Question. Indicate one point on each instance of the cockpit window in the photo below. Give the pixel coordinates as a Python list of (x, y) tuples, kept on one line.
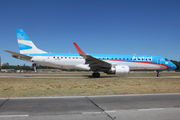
[(166, 59)]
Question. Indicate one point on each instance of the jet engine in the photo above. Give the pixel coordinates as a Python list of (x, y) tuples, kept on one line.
[(119, 70)]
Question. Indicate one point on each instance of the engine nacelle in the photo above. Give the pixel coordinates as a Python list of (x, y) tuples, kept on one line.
[(119, 70)]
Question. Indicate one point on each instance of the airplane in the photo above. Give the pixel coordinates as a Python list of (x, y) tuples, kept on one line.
[(107, 63)]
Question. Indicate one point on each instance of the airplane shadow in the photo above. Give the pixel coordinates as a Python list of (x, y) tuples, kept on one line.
[(89, 76)]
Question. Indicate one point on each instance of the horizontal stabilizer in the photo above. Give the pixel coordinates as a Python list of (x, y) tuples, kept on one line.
[(19, 56)]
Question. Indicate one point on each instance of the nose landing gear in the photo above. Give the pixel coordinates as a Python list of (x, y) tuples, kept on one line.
[(158, 74)]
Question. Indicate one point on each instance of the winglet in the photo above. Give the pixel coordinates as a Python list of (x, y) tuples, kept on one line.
[(79, 49)]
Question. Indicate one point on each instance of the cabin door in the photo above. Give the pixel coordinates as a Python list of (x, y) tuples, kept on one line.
[(159, 61)]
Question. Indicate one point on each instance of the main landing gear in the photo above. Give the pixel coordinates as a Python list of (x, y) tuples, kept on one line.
[(158, 74), (35, 67), (96, 74)]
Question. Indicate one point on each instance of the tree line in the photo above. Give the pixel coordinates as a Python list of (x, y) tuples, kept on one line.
[(28, 68), (31, 68)]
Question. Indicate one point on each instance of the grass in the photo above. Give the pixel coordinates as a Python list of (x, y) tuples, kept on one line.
[(27, 87)]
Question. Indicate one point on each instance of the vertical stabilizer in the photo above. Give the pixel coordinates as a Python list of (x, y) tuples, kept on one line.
[(26, 46)]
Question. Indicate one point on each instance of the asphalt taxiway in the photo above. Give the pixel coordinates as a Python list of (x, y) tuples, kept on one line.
[(119, 107)]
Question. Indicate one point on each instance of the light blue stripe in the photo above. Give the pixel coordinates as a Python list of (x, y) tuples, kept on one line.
[(24, 47)]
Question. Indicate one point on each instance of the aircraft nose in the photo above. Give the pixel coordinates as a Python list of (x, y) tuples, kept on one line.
[(174, 66)]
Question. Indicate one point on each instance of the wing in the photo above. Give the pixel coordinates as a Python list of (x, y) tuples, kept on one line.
[(94, 63), (19, 56)]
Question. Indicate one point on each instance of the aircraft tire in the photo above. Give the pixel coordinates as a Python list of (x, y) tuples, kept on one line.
[(96, 75), (158, 75)]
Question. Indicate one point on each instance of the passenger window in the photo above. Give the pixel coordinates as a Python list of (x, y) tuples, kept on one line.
[(119, 58), (123, 58), (138, 58), (112, 58), (127, 58)]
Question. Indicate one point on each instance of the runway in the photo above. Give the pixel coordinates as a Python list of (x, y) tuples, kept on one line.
[(70, 75), (117, 107)]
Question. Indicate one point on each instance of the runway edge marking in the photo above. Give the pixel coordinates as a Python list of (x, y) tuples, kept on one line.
[(150, 109), (14, 116), (92, 96)]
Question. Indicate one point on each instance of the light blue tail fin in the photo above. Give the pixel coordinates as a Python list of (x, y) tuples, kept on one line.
[(26, 46)]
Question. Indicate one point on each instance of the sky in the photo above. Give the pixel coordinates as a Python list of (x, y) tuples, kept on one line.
[(142, 27)]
